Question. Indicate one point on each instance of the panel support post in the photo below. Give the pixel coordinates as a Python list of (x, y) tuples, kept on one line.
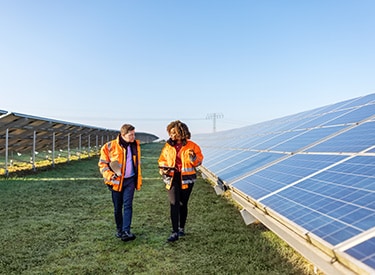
[(6, 152), (53, 148), (34, 148)]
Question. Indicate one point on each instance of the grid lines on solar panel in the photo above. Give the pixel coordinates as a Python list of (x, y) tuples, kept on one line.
[(283, 173), (362, 100), (231, 158), (306, 213), (271, 141), (364, 252), (210, 155), (354, 115), (342, 195), (306, 138), (245, 166), (320, 119), (356, 139)]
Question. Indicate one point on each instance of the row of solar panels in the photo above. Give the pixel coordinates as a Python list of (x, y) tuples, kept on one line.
[(28, 135), (314, 171), (19, 129)]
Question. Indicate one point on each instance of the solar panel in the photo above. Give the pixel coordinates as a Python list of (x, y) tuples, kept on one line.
[(345, 207), (356, 139), (314, 171), (27, 135), (364, 251)]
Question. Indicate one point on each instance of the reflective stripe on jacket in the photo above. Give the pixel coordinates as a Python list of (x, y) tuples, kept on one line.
[(167, 159), (112, 151)]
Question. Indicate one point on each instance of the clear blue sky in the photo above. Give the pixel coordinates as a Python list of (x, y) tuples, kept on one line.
[(148, 62)]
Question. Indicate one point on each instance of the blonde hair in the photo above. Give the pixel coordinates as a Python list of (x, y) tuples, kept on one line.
[(126, 128)]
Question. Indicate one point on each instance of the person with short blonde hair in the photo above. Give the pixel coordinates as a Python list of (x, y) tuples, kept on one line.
[(120, 165)]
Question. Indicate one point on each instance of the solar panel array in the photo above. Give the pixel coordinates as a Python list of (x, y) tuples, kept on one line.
[(314, 170), (21, 128), (25, 134)]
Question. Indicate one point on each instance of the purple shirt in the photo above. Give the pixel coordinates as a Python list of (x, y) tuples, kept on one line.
[(129, 169)]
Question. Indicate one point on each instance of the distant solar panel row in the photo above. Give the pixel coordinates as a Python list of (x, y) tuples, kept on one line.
[(20, 129), (315, 169), (25, 135)]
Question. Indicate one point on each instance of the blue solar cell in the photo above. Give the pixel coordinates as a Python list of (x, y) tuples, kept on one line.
[(256, 191), (362, 100), (363, 135), (345, 104), (355, 195), (233, 158), (366, 183), (306, 216), (354, 115), (328, 228), (271, 140), (341, 234), (211, 156), (246, 166), (341, 211), (251, 186), (366, 222), (296, 122), (357, 172), (313, 224), (321, 119), (284, 173), (364, 252), (305, 138), (336, 202), (360, 214)]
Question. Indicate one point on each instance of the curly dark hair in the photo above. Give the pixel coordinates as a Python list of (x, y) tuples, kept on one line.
[(181, 128)]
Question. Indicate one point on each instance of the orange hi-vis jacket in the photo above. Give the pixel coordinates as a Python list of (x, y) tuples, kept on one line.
[(113, 151), (167, 163)]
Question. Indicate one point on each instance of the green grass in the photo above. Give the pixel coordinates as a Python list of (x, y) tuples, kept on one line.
[(61, 221)]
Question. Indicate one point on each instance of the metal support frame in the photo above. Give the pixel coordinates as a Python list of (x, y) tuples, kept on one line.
[(34, 148), (80, 146), (53, 148), (6, 151), (88, 146), (68, 146)]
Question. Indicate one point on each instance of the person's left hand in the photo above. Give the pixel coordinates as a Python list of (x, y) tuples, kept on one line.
[(192, 155)]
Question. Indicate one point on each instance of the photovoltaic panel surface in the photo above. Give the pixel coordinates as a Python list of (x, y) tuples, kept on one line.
[(341, 197), (315, 169), (364, 251)]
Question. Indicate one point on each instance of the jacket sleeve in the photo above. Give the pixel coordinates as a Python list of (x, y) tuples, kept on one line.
[(103, 164), (166, 159), (198, 159)]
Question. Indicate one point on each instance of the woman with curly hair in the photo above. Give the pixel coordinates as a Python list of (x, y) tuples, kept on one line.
[(177, 163)]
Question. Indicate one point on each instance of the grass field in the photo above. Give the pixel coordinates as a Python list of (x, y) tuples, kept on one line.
[(60, 221)]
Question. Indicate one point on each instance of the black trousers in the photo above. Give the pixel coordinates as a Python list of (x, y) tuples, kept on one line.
[(178, 199)]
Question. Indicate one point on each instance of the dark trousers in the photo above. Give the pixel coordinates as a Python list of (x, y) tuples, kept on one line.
[(179, 199), (123, 205)]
